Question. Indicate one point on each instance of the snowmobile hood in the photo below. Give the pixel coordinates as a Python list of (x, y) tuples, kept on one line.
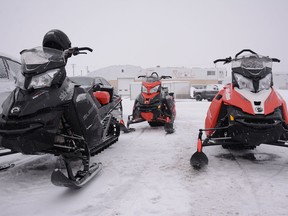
[(22, 103), (264, 102)]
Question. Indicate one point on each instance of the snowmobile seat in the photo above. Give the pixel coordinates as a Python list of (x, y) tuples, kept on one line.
[(102, 96)]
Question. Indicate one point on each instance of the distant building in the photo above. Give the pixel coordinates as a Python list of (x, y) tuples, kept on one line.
[(195, 76), (121, 76), (280, 80)]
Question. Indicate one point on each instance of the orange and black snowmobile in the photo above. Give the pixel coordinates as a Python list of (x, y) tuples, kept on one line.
[(154, 104), (246, 113)]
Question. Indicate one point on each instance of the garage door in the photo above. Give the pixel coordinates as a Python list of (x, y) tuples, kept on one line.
[(124, 85)]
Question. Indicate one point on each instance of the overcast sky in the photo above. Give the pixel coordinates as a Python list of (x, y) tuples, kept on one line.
[(147, 33)]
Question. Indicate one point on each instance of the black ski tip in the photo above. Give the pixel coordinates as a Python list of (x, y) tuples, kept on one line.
[(198, 160), (169, 131), (128, 130), (168, 127), (5, 167)]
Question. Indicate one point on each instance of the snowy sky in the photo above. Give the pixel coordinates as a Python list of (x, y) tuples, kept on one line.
[(147, 33)]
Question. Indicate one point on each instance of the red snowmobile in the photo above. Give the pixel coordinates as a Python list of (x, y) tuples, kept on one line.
[(246, 113), (154, 104)]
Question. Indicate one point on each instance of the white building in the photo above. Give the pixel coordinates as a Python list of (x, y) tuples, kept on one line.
[(122, 76)]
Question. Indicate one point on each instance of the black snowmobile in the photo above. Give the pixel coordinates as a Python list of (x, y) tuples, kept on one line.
[(48, 113), (154, 104)]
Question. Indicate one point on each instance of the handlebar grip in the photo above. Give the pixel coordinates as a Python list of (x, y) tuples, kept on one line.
[(165, 77), (226, 60), (85, 48), (275, 60)]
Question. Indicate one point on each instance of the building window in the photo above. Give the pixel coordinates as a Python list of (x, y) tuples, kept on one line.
[(211, 73)]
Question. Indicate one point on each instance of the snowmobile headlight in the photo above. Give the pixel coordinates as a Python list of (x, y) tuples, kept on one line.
[(154, 89), (265, 83), (243, 82), (43, 80), (144, 89)]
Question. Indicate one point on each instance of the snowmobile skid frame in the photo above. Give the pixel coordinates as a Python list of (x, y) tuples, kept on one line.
[(199, 158)]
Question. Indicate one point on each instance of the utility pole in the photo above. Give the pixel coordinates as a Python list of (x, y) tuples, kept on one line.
[(73, 65)]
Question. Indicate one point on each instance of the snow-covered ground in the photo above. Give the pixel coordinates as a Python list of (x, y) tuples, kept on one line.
[(148, 173)]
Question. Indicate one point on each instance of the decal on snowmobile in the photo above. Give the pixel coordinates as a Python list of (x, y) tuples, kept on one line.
[(81, 97), (38, 94), (15, 110)]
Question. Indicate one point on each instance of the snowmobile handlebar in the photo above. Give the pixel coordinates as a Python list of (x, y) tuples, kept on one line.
[(165, 77), (275, 60), (162, 77), (245, 50), (77, 50), (142, 76), (226, 60)]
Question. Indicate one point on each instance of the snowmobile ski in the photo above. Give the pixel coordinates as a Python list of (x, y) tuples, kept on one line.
[(5, 167), (59, 179)]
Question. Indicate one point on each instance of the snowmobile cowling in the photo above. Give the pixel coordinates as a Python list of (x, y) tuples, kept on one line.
[(102, 96)]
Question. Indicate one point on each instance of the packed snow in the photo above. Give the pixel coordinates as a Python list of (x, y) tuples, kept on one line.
[(148, 173)]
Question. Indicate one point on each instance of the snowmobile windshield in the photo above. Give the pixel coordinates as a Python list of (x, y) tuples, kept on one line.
[(83, 81), (252, 62), (151, 79), (41, 59), (252, 72)]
